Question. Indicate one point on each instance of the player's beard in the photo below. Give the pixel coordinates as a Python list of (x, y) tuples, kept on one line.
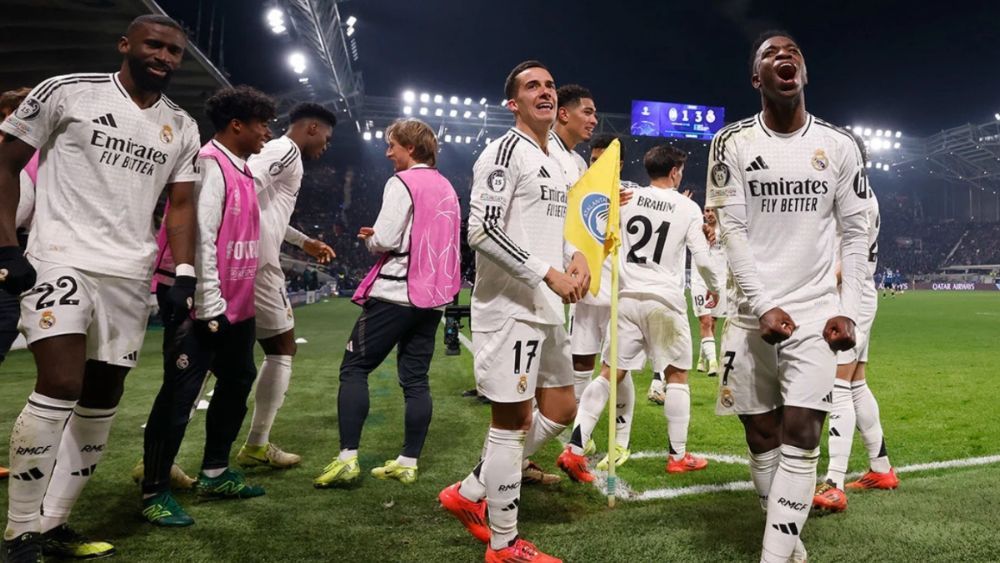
[(147, 81)]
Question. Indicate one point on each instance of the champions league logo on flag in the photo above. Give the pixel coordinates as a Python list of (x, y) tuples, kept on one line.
[(594, 212)]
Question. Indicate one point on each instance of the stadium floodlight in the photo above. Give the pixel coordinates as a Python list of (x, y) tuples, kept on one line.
[(425, 97), (859, 129), (423, 111), (303, 80), (447, 138), (453, 113), (899, 134), (378, 134), (350, 31), (298, 62), (997, 116), (453, 100), (275, 15), (367, 135), (895, 145), (488, 140), (868, 132), (409, 96), (878, 133), (482, 101), (467, 114), (438, 112), (438, 99), (468, 101), (351, 21), (869, 165), (482, 114), (407, 110), (468, 140)]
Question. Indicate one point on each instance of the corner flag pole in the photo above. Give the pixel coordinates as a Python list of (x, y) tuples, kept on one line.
[(613, 399), (613, 363)]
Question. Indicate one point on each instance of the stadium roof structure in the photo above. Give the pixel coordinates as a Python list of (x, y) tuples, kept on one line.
[(43, 38), (319, 24), (967, 155)]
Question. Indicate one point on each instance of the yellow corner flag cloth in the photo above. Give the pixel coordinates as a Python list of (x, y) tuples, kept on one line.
[(592, 212)]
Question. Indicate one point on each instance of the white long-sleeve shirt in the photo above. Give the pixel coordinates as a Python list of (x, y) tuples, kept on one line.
[(392, 234), (210, 195), (780, 198)]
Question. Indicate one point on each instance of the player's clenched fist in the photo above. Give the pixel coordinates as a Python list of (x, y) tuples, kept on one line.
[(16, 274), (776, 326), (563, 285), (579, 271), (839, 334)]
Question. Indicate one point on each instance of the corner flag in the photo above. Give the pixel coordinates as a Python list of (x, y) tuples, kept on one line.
[(592, 212)]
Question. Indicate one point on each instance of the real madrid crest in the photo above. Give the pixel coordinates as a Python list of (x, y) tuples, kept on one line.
[(522, 384), (275, 168), (182, 361), (726, 398), (820, 161), (47, 321), (167, 134)]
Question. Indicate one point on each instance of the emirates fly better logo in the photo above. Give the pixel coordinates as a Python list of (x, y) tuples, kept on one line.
[(594, 212)]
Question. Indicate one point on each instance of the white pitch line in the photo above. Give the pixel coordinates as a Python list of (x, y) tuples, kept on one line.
[(674, 492)]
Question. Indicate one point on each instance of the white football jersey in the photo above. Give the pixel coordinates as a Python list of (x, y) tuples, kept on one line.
[(657, 228), (103, 164), (574, 167), (277, 171), (516, 217), (793, 187)]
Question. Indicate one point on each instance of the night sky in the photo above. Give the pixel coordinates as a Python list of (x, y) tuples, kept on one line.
[(918, 67)]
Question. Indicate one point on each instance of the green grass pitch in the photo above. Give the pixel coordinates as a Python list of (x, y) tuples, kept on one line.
[(934, 369)]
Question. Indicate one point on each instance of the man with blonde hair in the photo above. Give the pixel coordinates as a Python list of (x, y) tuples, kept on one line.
[(402, 298)]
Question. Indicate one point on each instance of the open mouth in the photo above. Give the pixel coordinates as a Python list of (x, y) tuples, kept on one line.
[(545, 106), (787, 71)]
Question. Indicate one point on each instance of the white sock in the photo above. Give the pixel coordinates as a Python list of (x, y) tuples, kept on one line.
[(624, 410), (406, 461), (34, 443), (762, 468), (580, 381), (502, 474), (272, 383), (708, 349), (213, 473), (841, 434), (542, 430), (346, 455), (789, 502), (84, 440), (472, 487), (589, 411), (870, 426), (677, 408)]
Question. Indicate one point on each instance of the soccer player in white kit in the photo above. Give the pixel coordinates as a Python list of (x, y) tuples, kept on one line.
[(658, 228), (779, 223), (853, 402), (520, 345), (277, 171), (707, 361), (110, 144)]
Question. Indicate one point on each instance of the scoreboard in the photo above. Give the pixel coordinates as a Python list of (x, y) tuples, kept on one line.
[(668, 119)]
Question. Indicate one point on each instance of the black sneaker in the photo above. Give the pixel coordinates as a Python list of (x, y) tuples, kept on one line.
[(26, 548), (63, 541)]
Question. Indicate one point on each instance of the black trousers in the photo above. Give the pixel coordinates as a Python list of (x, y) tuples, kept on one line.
[(381, 327), (10, 313), (189, 351)]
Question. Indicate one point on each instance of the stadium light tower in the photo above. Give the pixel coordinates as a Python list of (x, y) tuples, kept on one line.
[(276, 20), (409, 96), (298, 62)]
